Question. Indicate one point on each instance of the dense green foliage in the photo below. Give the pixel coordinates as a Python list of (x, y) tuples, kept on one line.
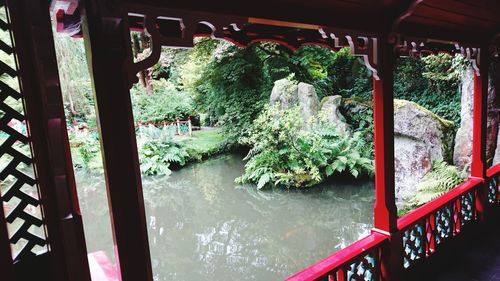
[(237, 83), (230, 88), (432, 82), (166, 104), (284, 153)]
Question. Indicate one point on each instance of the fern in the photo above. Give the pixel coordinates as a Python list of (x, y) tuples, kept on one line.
[(441, 179)]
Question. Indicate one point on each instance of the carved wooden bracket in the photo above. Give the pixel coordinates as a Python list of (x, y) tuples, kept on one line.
[(230, 28), (188, 26), (360, 45), (413, 47)]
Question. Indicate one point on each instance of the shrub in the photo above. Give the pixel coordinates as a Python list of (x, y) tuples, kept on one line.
[(285, 154), (167, 103)]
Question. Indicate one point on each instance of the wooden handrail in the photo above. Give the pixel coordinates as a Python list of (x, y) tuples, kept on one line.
[(340, 258), (437, 203)]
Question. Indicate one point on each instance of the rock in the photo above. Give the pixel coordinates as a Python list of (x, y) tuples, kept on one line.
[(492, 121), (420, 137), (284, 93), (288, 94), (496, 157), (412, 161), (330, 109), (308, 101), (463, 139)]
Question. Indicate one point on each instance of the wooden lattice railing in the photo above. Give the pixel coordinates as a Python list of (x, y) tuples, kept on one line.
[(420, 234), (18, 186)]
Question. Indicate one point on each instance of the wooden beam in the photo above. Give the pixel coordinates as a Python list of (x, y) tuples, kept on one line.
[(107, 38)]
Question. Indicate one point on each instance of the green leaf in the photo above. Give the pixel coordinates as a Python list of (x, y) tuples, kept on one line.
[(329, 170), (264, 179)]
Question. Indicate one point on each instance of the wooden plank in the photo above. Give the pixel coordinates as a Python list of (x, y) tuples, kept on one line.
[(445, 15), (479, 10)]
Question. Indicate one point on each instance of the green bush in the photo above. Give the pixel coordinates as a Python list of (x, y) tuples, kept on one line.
[(285, 154), (167, 103), (158, 150)]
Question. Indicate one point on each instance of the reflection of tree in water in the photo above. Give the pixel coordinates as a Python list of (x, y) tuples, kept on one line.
[(202, 227)]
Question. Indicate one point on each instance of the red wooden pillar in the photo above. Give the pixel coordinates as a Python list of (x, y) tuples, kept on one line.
[(39, 79), (385, 217), (385, 211), (479, 130), (107, 38), (478, 164)]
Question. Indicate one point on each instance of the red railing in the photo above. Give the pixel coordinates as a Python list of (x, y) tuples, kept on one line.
[(420, 234), (361, 259)]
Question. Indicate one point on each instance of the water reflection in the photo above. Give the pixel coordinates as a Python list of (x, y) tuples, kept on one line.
[(202, 227)]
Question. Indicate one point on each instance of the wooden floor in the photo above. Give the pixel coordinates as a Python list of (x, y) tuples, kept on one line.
[(473, 257)]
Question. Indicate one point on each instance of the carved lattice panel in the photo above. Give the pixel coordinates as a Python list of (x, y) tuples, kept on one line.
[(364, 269), (18, 185), (413, 244), (493, 190), (444, 223), (467, 207)]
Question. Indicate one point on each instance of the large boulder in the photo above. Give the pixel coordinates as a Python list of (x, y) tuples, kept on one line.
[(284, 94), (287, 94), (420, 137), (463, 139), (308, 101), (330, 110)]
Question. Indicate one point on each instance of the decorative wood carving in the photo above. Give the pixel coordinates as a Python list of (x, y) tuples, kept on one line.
[(412, 46), (230, 28)]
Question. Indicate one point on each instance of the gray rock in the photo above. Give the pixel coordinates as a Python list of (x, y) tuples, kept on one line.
[(284, 93), (492, 121), (496, 157), (330, 109), (463, 139), (420, 137), (308, 101)]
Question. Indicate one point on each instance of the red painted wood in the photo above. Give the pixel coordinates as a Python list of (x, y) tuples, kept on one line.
[(385, 212), (39, 79), (493, 170), (340, 258), (106, 39), (101, 267), (480, 99), (478, 165), (432, 206)]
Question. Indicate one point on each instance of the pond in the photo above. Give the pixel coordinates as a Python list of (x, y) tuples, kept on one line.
[(204, 227)]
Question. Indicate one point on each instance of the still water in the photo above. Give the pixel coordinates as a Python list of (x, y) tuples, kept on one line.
[(204, 227)]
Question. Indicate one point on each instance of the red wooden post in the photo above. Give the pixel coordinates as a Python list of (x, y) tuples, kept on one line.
[(107, 38), (39, 77), (385, 211), (178, 120), (478, 162)]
